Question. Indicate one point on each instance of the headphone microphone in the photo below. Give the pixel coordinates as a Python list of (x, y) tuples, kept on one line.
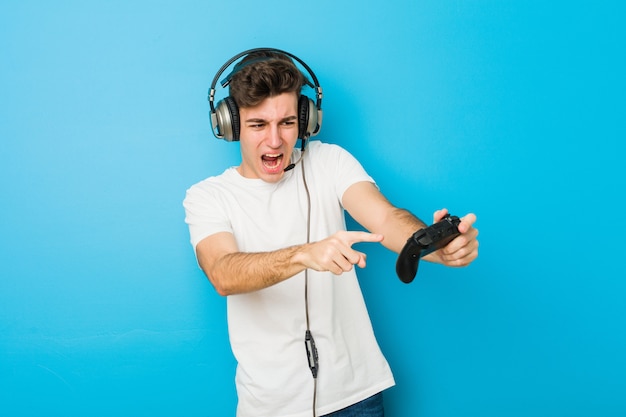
[(225, 122), (293, 165)]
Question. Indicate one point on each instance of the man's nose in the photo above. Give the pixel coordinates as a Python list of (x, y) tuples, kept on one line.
[(274, 139)]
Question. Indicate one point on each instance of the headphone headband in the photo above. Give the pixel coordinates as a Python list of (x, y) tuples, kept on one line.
[(226, 80)]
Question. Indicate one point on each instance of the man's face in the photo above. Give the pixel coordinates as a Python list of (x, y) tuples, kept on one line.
[(269, 132)]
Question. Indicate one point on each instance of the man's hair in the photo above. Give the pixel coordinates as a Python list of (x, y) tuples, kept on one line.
[(264, 74)]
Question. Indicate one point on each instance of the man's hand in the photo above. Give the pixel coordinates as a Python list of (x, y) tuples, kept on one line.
[(335, 253), (463, 249)]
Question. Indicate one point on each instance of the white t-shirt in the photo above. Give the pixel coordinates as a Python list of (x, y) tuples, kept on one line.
[(267, 327)]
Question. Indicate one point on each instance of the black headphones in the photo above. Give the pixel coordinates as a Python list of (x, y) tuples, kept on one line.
[(225, 116)]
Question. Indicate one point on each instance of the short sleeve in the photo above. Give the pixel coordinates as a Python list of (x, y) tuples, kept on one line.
[(205, 213)]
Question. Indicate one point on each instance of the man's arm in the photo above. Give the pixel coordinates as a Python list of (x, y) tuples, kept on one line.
[(234, 272), (367, 205)]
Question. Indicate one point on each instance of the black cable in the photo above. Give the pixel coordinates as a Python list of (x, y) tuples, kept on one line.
[(309, 342), (308, 240)]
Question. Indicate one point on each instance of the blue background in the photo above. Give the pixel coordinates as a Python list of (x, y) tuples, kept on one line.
[(512, 110)]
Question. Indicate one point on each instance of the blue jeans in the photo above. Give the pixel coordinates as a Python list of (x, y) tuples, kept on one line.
[(369, 407)]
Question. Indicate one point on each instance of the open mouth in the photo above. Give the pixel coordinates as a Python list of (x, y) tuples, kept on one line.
[(272, 162)]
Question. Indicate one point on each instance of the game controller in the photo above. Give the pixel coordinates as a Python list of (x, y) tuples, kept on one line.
[(423, 242)]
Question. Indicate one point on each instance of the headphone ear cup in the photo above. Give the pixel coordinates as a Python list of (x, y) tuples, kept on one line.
[(227, 115), (308, 124)]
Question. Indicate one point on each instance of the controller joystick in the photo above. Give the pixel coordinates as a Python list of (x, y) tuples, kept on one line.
[(423, 242)]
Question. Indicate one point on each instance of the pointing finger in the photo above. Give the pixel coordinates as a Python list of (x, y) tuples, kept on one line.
[(356, 237)]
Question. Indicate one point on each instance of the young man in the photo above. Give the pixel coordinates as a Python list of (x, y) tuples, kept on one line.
[(274, 241)]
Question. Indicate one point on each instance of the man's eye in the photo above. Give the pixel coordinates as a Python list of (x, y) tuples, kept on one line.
[(289, 122)]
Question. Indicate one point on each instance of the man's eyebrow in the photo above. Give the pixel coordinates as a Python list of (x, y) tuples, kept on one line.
[(260, 120)]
